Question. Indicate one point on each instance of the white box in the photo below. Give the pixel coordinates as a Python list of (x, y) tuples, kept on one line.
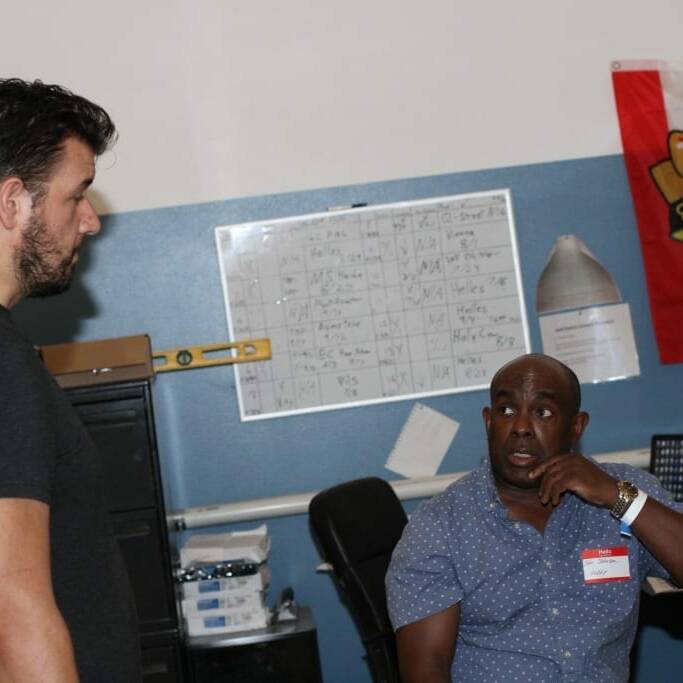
[(249, 546), (227, 622), (229, 584), (221, 603)]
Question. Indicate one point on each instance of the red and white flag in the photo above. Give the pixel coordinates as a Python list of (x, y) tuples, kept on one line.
[(649, 98)]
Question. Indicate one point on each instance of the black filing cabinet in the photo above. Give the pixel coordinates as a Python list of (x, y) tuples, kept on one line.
[(120, 419), (283, 653)]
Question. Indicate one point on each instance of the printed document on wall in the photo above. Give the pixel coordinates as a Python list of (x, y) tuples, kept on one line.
[(422, 443), (596, 343)]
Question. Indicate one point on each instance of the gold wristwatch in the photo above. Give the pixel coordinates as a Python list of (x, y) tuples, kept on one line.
[(627, 493)]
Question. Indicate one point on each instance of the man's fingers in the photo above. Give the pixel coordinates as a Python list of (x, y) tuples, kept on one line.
[(556, 480), (549, 490), (576, 474), (541, 469)]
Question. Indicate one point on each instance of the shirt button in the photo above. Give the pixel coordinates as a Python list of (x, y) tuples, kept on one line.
[(518, 526), (492, 506), (554, 611), (566, 654), (548, 563)]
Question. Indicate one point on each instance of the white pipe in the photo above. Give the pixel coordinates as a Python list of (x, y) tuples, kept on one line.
[(297, 504)]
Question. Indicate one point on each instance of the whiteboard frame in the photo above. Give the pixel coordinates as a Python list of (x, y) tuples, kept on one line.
[(218, 230)]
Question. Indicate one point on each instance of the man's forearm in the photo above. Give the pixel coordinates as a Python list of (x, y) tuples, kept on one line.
[(35, 644), (40, 652), (426, 647), (425, 673), (660, 529)]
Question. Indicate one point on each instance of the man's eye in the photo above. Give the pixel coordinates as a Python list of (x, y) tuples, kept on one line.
[(506, 410), (544, 412)]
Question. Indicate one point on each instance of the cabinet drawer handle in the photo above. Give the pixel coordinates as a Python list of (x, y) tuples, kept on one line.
[(139, 532), (148, 669)]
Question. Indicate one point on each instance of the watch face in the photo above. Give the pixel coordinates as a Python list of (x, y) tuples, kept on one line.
[(629, 489), (627, 494)]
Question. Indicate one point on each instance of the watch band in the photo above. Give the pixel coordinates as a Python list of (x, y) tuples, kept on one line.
[(626, 494), (634, 509)]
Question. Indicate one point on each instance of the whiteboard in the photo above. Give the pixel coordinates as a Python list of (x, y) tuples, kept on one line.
[(382, 303)]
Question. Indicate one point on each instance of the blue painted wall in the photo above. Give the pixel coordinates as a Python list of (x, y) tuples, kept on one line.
[(156, 272)]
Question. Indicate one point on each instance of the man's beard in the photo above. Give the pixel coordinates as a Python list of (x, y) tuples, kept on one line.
[(39, 265)]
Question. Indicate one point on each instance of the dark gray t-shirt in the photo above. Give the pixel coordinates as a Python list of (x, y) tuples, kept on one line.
[(47, 455)]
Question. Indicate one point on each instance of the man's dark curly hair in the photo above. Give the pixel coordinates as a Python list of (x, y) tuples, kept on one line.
[(35, 121)]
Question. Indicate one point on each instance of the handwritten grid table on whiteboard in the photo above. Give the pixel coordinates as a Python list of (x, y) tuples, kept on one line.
[(374, 304)]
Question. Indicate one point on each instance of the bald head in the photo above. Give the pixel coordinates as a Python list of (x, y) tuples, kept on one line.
[(529, 362)]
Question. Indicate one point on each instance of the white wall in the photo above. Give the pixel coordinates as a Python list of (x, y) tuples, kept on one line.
[(217, 99)]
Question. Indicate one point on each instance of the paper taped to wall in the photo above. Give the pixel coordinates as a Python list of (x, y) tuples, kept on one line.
[(422, 443), (597, 343)]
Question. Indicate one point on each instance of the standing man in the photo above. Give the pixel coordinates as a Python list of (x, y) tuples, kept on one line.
[(66, 608), (522, 570)]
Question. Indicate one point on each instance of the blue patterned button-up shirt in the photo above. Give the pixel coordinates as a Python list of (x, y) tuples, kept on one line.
[(526, 612)]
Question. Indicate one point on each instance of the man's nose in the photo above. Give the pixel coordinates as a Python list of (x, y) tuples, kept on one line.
[(90, 221), (522, 424)]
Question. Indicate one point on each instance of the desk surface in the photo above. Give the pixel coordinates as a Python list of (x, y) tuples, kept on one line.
[(286, 629)]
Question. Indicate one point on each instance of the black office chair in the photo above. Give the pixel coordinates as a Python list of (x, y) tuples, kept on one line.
[(357, 525)]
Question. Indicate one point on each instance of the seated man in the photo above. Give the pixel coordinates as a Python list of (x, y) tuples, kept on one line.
[(523, 570)]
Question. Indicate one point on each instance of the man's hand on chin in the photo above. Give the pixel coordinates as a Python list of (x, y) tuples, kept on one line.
[(573, 472)]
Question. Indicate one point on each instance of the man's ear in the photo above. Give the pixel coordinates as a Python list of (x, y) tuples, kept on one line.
[(579, 425), (486, 414), (14, 200)]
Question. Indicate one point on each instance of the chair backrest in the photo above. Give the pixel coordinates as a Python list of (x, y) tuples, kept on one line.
[(357, 525), (666, 462)]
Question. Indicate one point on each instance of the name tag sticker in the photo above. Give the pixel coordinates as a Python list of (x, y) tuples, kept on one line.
[(601, 565)]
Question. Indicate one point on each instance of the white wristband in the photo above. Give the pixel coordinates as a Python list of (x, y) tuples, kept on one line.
[(634, 508)]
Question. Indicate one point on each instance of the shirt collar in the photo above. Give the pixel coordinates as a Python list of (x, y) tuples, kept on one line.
[(491, 498)]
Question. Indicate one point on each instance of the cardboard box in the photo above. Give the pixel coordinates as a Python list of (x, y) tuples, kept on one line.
[(82, 364)]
